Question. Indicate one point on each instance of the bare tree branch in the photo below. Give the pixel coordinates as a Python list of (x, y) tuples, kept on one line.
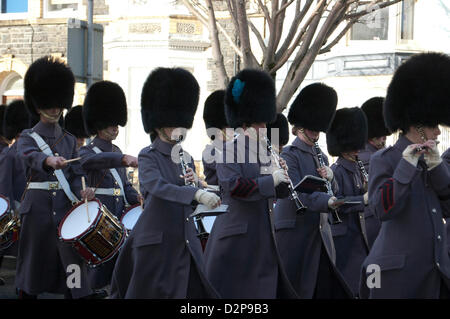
[(338, 37), (305, 58), (248, 57), (217, 53), (311, 24), (299, 15), (379, 4), (264, 9), (258, 36), (204, 20), (283, 7)]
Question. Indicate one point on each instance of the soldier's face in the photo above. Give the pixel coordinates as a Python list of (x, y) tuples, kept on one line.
[(431, 133), (378, 142), (110, 133), (50, 115), (80, 142)]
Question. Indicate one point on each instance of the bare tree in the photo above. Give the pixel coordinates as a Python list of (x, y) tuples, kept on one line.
[(317, 25)]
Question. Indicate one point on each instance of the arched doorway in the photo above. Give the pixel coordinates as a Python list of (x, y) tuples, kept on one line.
[(11, 87)]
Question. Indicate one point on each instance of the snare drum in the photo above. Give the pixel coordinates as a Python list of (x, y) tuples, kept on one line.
[(9, 224), (97, 240), (131, 216)]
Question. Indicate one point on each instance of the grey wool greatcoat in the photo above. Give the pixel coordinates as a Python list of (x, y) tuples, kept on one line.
[(209, 165), (302, 237), (162, 258), (42, 259), (350, 236), (12, 184), (373, 224), (97, 170), (411, 250), (242, 260), (12, 178)]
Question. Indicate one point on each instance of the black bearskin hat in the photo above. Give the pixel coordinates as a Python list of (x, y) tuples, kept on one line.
[(169, 99), (250, 98), (2, 116), (282, 125), (419, 93), (347, 132), (373, 108), (105, 105), (314, 107), (214, 110), (49, 83), (73, 122), (16, 119)]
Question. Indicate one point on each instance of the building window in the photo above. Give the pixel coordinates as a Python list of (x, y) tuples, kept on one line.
[(407, 23), (58, 8), (373, 26), (14, 6)]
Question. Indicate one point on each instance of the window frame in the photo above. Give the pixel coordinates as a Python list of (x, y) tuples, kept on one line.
[(63, 13)]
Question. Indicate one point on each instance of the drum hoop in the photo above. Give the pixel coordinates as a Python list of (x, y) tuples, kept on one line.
[(128, 210), (93, 225), (99, 261), (8, 208)]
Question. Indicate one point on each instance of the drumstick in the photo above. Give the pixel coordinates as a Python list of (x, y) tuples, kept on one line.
[(83, 183), (72, 160)]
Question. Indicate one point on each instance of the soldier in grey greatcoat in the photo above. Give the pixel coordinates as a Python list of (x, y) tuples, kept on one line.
[(44, 263), (104, 109), (278, 132), (74, 124), (216, 127), (376, 140), (345, 137), (242, 259), (305, 239), (3, 141), (162, 257), (409, 187), (12, 174)]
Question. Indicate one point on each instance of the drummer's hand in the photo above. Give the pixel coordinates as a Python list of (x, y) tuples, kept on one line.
[(87, 193), (129, 161), (55, 162)]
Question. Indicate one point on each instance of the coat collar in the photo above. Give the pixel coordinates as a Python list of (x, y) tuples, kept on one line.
[(163, 147), (103, 145), (347, 164), (402, 143), (298, 143), (48, 130), (370, 148)]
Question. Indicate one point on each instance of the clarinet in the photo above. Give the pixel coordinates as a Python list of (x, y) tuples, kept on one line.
[(364, 173), (335, 216), (294, 196), (202, 233)]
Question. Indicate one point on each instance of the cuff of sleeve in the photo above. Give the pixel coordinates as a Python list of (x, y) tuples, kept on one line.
[(266, 186), (405, 172), (40, 160), (117, 159)]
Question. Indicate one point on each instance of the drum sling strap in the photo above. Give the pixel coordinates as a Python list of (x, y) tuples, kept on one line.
[(116, 176), (58, 172)]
